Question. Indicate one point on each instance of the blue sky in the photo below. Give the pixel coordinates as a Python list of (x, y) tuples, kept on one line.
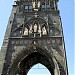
[(66, 8)]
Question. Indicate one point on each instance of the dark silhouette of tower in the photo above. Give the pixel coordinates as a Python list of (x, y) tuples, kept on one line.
[(34, 35)]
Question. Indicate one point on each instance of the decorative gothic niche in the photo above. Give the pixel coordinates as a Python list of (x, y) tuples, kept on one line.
[(26, 7), (26, 31), (36, 5), (43, 5), (44, 31), (35, 27)]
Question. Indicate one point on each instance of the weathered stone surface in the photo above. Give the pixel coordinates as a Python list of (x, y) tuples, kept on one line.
[(43, 42)]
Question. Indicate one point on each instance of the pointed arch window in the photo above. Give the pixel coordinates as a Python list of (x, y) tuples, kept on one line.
[(30, 7), (47, 6), (43, 5), (26, 7), (52, 31)]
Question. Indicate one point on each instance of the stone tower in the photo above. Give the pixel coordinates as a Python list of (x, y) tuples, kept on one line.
[(34, 35)]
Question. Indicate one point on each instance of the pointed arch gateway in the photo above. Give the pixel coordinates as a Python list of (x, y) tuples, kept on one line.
[(33, 59), (39, 69), (29, 57)]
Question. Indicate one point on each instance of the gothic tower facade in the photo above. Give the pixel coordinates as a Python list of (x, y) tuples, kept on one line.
[(34, 35)]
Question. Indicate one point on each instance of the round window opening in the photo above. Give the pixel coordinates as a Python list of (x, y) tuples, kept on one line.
[(38, 69)]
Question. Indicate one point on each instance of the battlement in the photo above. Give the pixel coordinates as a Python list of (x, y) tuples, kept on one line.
[(37, 4)]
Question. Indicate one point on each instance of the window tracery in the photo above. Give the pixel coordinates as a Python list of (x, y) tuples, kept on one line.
[(35, 29)]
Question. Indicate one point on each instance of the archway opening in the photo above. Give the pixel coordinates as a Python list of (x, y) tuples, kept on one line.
[(38, 69), (33, 59), (30, 61)]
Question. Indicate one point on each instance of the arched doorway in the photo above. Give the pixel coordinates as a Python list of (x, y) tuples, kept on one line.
[(38, 69), (34, 58), (30, 57)]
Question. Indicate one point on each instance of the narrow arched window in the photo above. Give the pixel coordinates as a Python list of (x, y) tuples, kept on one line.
[(26, 7), (43, 5), (30, 7), (48, 5)]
